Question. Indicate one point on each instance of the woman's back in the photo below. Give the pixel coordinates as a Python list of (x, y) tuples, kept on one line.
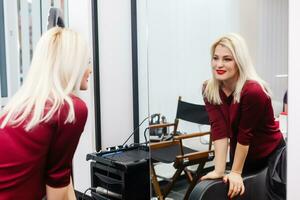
[(30, 160)]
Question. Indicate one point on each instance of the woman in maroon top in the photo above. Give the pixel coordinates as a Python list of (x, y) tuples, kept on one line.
[(239, 107), (41, 125)]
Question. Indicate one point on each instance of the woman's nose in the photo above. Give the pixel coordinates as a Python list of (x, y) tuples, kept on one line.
[(219, 64)]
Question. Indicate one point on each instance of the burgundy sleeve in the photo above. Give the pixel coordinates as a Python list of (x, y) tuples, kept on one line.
[(63, 145), (253, 101), (217, 121), (219, 129)]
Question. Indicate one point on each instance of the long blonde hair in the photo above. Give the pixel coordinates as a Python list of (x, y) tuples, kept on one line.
[(57, 66), (237, 45)]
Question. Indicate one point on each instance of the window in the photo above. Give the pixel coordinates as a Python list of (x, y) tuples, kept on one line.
[(21, 25)]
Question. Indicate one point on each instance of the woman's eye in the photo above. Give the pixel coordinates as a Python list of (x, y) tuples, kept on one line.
[(228, 59)]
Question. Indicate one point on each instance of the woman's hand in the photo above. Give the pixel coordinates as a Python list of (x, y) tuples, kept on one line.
[(221, 147), (212, 175), (236, 184)]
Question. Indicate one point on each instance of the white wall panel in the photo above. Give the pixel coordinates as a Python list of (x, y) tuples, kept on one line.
[(115, 71), (36, 29), (272, 46), (293, 161), (45, 5)]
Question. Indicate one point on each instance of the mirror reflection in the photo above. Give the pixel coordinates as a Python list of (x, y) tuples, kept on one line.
[(174, 56)]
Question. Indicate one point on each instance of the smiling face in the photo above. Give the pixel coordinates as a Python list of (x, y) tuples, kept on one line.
[(224, 66)]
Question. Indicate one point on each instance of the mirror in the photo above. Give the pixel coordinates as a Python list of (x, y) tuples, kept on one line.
[(174, 39)]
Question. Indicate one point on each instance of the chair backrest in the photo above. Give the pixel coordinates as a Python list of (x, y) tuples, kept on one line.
[(255, 188), (192, 112)]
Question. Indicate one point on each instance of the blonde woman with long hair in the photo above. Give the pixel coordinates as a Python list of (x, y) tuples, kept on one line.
[(239, 107), (41, 125)]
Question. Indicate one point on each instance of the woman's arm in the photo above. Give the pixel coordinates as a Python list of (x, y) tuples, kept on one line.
[(240, 155), (252, 106), (221, 147), (61, 152), (220, 135), (236, 185), (63, 193)]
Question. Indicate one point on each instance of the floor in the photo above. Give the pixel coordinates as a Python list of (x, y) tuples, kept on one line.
[(178, 190)]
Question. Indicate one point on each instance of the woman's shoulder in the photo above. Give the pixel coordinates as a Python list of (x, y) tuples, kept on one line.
[(253, 88), (78, 103), (79, 106)]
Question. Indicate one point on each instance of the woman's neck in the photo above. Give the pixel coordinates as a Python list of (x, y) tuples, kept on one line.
[(228, 86)]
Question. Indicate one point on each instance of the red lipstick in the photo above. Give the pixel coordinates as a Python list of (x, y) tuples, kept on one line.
[(220, 72)]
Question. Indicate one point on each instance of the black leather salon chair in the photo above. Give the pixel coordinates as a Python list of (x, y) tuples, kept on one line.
[(217, 189)]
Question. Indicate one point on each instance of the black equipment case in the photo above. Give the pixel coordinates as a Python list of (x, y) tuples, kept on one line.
[(121, 174)]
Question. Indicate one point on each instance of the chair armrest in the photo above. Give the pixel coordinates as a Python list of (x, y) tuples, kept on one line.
[(191, 135), (195, 156), (163, 144), (154, 126)]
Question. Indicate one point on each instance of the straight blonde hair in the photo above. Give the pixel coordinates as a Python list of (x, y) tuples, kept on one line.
[(56, 70), (237, 46)]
